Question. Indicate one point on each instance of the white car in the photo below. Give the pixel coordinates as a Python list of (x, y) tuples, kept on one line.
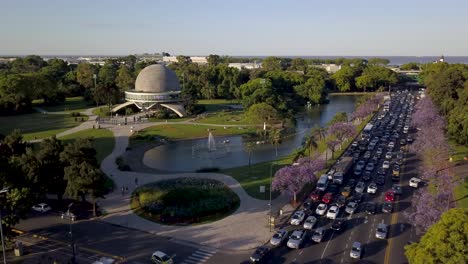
[(391, 144), (386, 164), (296, 239), (372, 188), (356, 250), (310, 222), (42, 208), (321, 209), (279, 237), (381, 232), (297, 218), (414, 182), (333, 212), (161, 258), (351, 207), (360, 186), (388, 155)]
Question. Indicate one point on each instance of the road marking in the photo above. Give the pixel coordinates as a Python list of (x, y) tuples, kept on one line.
[(202, 253), (207, 250), (326, 246), (300, 252)]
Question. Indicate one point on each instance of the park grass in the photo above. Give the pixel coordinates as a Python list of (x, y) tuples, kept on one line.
[(103, 141), (37, 125), (182, 131), (170, 120), (461, 193), (215, 105), (71, 104), (227, 118), (458, 151)]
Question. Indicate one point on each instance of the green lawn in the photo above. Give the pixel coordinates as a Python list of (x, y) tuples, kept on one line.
[(458, 151), (180, 119), (71, 104), (227, 118), (103, 141), (461, 193), (37, 125), (183, 131), (216, 105)]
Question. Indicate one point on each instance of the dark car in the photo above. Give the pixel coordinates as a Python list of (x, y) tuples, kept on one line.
[(337, 224), (357, 198), (380, 180), (316, 195), (260, 254), (387, 207), (351, 183), (370, 208), (367, 176), (381, 171), (333, 188), (308, 207), (340, 201)]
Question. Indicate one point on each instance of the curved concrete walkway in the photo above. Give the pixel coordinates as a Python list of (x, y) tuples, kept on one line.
[(245, 229)]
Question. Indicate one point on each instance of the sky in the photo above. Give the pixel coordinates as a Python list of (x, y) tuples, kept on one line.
[(235, 28)]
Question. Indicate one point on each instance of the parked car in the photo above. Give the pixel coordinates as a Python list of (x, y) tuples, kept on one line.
[(69, 215), (372, 188), (296, 239), (356, 250), (321, 209), (370, 208), (260, 254), (42, 207), (390, 196), (327, 198), (382, 231), (351, 207), (160, 257), (297, 218), (279, 237), (310, 222), (318, 234), (333, 212)]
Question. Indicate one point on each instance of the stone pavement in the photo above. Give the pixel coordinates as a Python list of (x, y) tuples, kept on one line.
[(244, 229)]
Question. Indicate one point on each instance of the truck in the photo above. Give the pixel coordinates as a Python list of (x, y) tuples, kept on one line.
[(341, 169), (368, 128)]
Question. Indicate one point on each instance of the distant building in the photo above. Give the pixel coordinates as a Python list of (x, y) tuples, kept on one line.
[(331, 68), (195, 59), (247, 65), (440, 60), (6, 60)]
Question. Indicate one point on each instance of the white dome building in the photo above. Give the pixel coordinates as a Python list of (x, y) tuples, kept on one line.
[(155, 85)]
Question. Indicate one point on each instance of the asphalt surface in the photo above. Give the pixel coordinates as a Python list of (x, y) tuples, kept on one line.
[(361, 227)]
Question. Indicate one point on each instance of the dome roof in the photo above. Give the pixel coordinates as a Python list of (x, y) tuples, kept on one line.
[(157, 78)]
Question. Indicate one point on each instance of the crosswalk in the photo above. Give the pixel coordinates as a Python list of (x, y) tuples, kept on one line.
[(200, 256)]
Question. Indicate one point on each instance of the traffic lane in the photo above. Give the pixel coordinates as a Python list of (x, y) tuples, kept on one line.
[(115, 240)]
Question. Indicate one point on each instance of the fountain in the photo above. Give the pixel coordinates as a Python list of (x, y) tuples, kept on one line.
[(211, 142), (209, 150)]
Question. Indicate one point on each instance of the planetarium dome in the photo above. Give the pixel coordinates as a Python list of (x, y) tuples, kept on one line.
[(157, 78)]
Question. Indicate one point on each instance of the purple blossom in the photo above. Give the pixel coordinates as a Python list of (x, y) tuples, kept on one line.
[(342, 130)]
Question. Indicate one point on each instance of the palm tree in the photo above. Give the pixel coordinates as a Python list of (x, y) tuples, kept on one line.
[(320, 133), (310, 144), (275, 138), (249, 147)]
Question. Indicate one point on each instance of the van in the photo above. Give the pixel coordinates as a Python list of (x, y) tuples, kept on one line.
[(322, 182)]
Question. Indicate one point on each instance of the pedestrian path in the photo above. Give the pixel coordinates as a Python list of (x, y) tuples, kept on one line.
[(200, 256)]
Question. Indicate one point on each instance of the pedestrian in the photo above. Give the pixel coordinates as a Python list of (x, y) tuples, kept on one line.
[(123, 191), (126, 188), (136, 181)]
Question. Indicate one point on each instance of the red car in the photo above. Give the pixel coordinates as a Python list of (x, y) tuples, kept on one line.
[(327, 198), (316, 195), (390, 196)]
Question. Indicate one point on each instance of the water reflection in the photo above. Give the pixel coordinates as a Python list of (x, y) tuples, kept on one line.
[(180, 156)]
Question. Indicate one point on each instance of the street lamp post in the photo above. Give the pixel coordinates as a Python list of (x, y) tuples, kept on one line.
[(2, 194), (271, 175), (72, 244)]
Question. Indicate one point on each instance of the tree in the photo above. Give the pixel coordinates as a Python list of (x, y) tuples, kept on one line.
[(213, 60), (313, 90), (15, 94), (342, 130), (51, 167), (249, 147), (261, 113), (444, 242), (108, 73), (299, 64), (84, 75), (310, 143), (378, 61), (124, 80), (332, 143), (344, 78), (272, 64), (338, 118), (275, 138), (409, 66)]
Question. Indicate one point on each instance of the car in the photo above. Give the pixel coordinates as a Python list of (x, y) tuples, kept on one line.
[(69, 215), (310, 222), (381, 231), (370, 166), (260, 254), (399, 155), (351, 207), (356, 155), (402, 141), (390, 196), (333, 212), (321, 209), (360, 186), (370, 208), (381, 171), (367, 155), (354, 144), (399, 162), (391, 145), (372, 188), (340, 201), (380, 180), (388, 155), (357, 171), (346, 191), (297, 217), (104, 260), (357, 198), (386, 164), (296, 239), (278, 238), (397, 189), (356, 250), (379, 151), (409, 139), (414, 182), (337, 224), (360, 164), (367, 176), (307, 207), (327, 198), (160, 257), (351, 183), (318, 234), (333, 189), (316, 195), (42, 208)]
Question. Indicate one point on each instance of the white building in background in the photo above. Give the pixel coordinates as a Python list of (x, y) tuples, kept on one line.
[(247, 65), (331, 68), (195, 59)]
